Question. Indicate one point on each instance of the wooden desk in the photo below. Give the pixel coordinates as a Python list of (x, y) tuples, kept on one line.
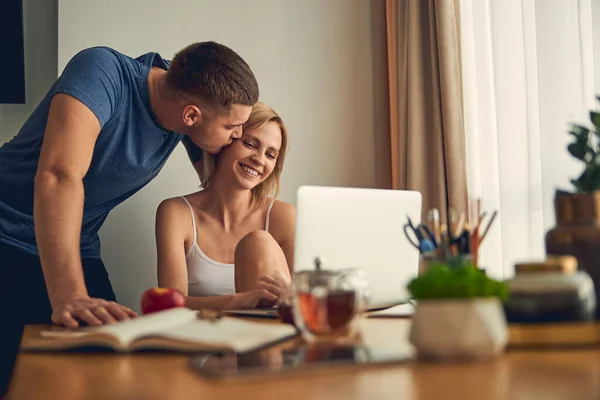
[(548, 375)]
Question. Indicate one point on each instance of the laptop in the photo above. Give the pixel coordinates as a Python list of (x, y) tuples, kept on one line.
[(359, 228)]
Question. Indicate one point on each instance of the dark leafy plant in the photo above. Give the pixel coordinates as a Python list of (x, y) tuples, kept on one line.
[(442, 281), (586, 148)]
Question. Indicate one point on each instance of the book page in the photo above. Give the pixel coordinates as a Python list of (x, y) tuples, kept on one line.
[(125, 332), (150, 324), (57, 340), (231, 333)]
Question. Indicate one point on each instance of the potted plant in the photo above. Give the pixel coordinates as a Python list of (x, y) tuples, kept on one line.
[(459, 313), (577, 213)]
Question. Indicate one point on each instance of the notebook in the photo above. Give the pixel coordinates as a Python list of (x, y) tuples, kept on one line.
[(177, 330), (267, 312)]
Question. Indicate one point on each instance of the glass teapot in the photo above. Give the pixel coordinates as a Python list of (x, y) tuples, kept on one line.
[(327, 303)]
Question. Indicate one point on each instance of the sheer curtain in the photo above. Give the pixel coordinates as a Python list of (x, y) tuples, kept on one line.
[(528, 71)]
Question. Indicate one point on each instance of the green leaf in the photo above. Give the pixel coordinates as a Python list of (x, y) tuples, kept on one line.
[(444, 282), (580, 130), (595, 118), (561, 192), (583, 182), (577, 150), (593, 177), (578, 186)]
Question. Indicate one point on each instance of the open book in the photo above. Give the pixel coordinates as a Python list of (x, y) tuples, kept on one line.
[(177, 329)]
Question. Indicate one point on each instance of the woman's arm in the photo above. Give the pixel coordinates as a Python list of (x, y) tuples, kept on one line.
[(283, 228), (267, 288), (172, 224), (218, 303)]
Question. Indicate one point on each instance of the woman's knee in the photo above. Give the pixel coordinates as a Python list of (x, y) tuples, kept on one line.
[(256, 255), (256, 243)]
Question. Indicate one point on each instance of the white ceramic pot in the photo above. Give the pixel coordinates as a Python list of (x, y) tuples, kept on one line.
[(459, 328)]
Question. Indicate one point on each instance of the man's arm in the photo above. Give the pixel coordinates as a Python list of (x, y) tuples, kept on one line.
[(65, 157), (85, 97), (69, 140)]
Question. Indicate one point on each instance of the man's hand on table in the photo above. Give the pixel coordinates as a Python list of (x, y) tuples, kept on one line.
[(91, 311)]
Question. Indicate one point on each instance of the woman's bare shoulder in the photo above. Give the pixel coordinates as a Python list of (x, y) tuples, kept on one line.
[(282, 207), (283, 217), (181, 202), (179, 205), (171, 208)]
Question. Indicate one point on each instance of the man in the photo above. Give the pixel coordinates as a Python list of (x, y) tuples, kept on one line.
[(103, 131)]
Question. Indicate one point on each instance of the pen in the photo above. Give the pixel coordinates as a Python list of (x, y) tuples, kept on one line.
[(460, 226), (487, 228), (433, 218)]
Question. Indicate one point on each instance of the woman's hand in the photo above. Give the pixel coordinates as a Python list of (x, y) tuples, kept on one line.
[(265, 292)]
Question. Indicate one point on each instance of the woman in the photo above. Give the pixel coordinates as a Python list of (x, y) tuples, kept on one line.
[(230, 245)]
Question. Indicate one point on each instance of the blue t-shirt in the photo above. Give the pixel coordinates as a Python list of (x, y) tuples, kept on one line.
[(130, 150)]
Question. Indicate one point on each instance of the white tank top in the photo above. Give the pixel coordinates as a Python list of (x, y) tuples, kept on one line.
[(207, 277)]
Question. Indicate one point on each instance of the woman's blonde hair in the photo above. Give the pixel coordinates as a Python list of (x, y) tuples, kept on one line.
[(261, 115)]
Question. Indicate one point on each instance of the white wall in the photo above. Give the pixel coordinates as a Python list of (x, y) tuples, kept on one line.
[(313, 61), (40, 34)]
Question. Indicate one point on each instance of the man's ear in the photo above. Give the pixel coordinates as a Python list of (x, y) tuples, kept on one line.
[(192, 115)]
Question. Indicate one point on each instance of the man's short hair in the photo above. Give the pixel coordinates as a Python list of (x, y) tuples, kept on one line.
[(213, 73)]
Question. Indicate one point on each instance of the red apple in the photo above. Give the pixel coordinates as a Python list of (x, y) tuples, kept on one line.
[(157, 299)]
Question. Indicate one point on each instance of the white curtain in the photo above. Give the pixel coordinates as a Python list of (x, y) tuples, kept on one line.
[(528, 71)]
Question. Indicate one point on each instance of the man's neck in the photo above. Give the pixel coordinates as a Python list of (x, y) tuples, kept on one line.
[(162, 99)]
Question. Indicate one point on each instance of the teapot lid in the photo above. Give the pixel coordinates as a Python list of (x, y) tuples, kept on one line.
[(319, 270), (318, 263)]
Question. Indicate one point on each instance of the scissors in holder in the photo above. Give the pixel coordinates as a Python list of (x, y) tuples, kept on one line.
[(425, 239)]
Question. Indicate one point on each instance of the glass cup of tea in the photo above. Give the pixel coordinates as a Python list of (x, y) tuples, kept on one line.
[(327, 304)]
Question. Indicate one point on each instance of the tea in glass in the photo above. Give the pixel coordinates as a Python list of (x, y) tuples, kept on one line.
[(327, 304)]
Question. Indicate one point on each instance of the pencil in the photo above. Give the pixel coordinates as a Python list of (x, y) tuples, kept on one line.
[(487, 228)]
